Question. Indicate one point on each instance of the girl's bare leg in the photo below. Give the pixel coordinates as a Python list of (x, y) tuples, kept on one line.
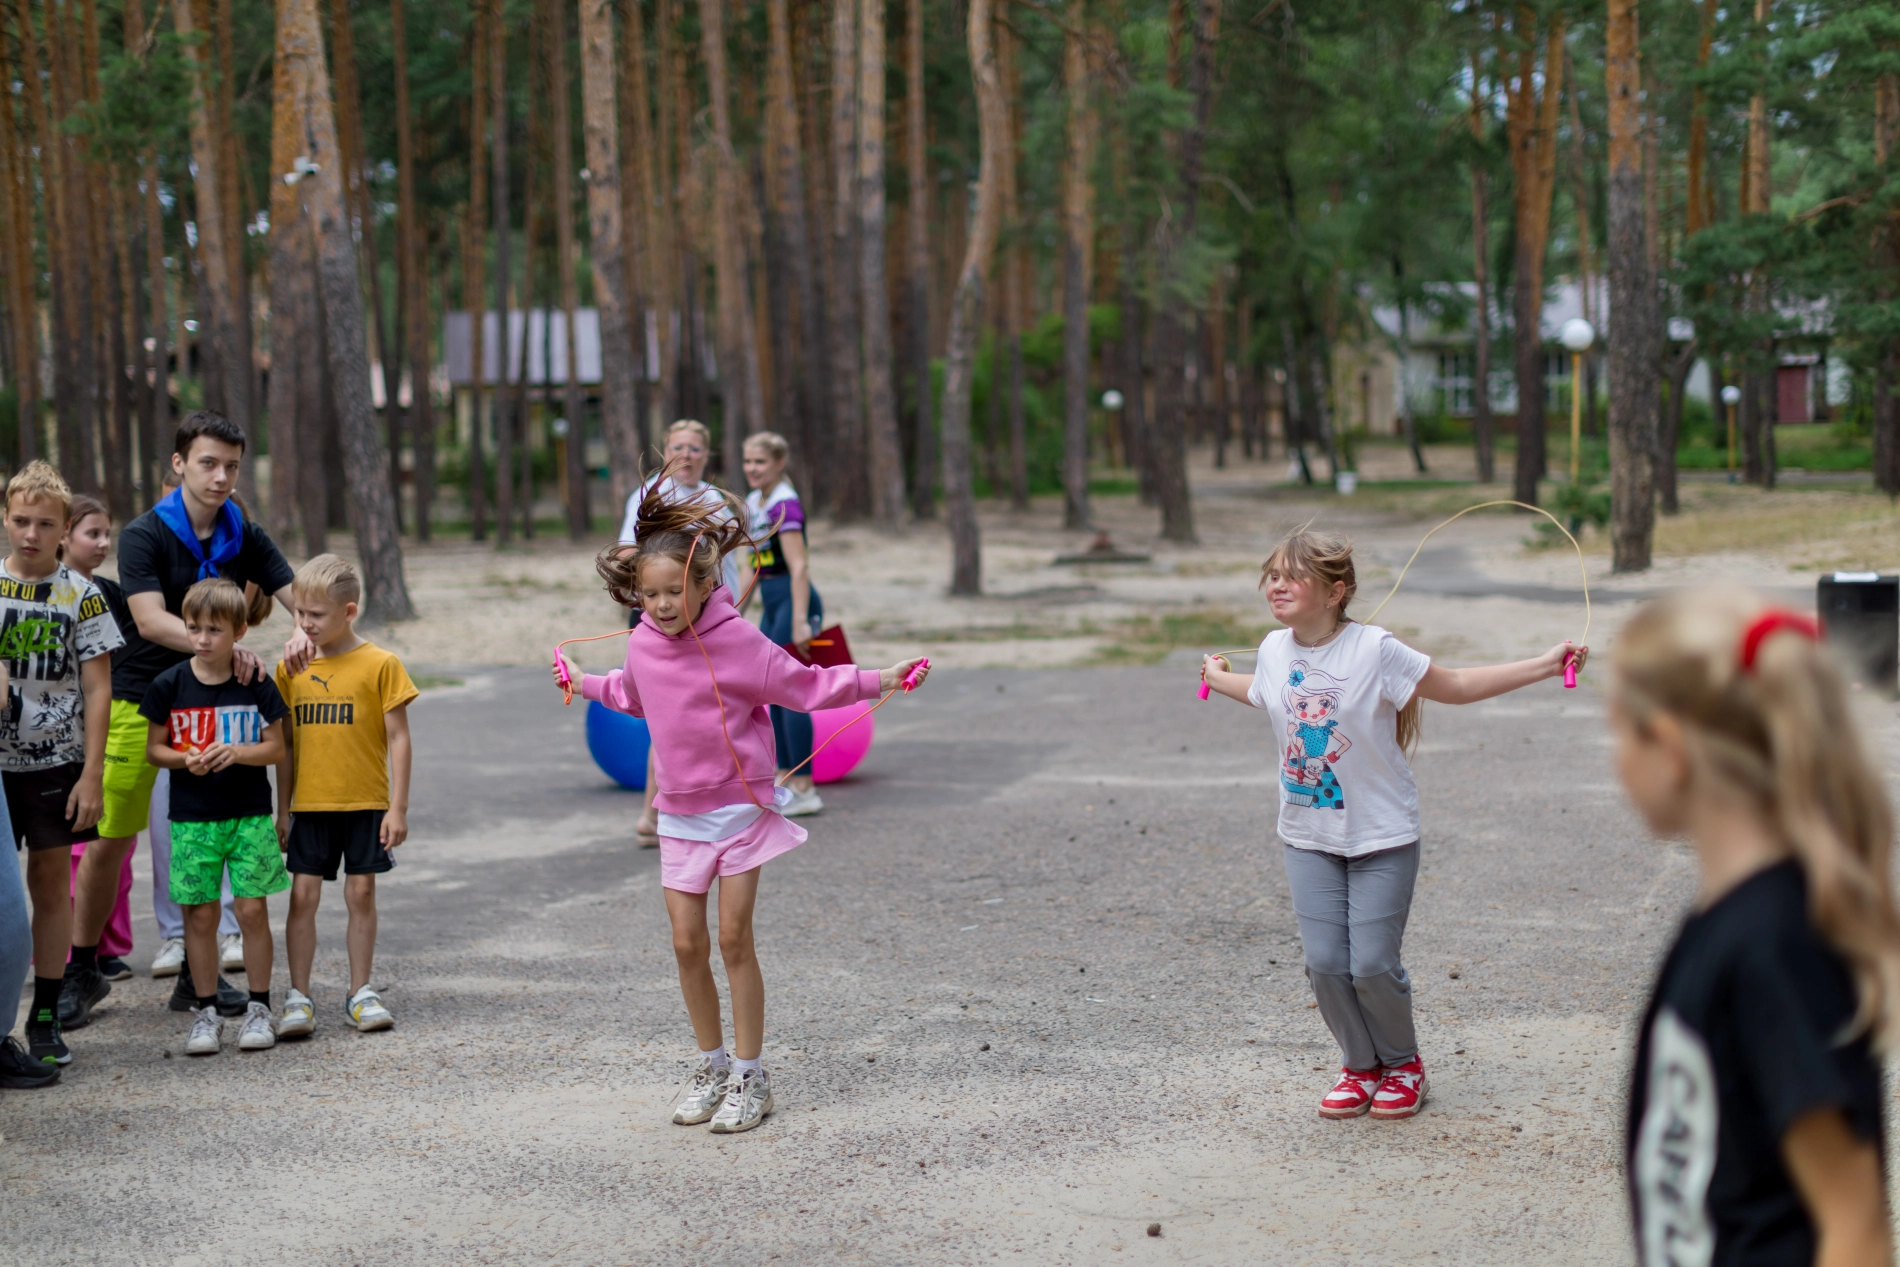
[(693, 948), (649, 824), (736, 896)]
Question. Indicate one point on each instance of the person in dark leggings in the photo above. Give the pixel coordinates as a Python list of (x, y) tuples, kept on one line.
[(17, 1069), (793, 611)]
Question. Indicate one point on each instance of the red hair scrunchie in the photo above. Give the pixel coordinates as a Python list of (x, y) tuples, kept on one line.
[(1769, 623)]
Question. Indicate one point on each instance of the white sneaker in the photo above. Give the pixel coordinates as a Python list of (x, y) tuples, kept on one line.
[(748, 1100), (170, 957), (207, 1034), (231, 952), (300, 1016), (259, 1032), (802, 804), (367, 1011), (703, 1093)]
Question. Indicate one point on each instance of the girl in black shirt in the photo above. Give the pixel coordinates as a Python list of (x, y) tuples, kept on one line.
[(1756, 1121)]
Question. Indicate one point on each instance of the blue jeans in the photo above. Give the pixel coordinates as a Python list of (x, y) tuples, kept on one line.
[(16, 932), (791, 731)]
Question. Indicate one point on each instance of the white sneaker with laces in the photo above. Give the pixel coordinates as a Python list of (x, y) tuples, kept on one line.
[(367, 1011), (207, 1033), (259, 1031), (170, 957), (703, 1094), (300, 1016), (803, 804), (748, 1100), (231, 952)]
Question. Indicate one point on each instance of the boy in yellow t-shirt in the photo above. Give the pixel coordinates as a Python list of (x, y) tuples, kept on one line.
[(349, 734)]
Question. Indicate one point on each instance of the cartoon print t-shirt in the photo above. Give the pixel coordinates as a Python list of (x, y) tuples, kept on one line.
[(195, 717), (47, 628), (1345, 787)]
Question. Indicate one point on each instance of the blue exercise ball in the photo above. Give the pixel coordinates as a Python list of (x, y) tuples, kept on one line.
[(618, 744)]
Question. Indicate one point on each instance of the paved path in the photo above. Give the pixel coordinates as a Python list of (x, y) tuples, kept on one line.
[(1034, 985)]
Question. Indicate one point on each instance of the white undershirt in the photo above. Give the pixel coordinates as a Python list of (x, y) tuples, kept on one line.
[(717, 824)]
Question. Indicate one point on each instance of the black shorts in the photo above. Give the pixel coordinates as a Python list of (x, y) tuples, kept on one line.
[(318, 841), (36, 801)]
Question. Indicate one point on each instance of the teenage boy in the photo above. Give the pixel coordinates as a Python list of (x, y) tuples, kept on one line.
[(349, 730), (194, 533), (56, 638), (216, 735)]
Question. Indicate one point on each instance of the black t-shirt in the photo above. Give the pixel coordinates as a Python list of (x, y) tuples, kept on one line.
[(198, 716), (1740, 1040), (153, 559)]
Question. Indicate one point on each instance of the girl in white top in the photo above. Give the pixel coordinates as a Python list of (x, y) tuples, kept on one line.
[(1345, 700)]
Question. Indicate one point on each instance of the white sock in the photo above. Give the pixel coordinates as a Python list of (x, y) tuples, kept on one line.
[(717, 1056), (744, 1067)]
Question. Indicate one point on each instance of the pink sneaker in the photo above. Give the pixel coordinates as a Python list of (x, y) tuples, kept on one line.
[(1402, 1092), (1352, 1095)]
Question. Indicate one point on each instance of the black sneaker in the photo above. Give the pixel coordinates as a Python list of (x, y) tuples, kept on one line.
[(231, 1000), (20, 1071), (81, 992), (113, 968), (43, 1042)]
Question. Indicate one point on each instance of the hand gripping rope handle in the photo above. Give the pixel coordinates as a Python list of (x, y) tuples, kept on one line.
[(1570, 660)]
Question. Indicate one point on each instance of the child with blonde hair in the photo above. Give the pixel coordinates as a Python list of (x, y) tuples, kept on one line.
[(1344, 699), (1757, 1119), (703, 677)]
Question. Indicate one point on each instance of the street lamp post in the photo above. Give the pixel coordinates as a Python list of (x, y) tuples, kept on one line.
[(1731, 396), (1577, 335)]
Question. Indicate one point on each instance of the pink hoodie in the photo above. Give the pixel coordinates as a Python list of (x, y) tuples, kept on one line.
[(665, 681)]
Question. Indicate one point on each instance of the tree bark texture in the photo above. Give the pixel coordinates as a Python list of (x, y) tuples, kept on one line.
[(843, 289), (22, 301), (646, 244), (412, 255), (740, 394), (966, 308), (1633, 304), (923, 495), (1483, 426), (1077, 228), (372, 508), (621, 347), (1669, 428), (1531, 123), (560, 122), (787, 166), (475, 273), (886, 447), (293, 329), (501, 404)]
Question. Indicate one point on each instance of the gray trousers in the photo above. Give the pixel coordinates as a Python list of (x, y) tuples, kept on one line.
[(1352, 915)]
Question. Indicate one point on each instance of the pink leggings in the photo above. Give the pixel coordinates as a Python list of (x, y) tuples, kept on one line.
[(116, 939)]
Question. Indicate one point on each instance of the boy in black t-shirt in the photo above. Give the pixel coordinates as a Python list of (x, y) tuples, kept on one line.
[(217, 735)]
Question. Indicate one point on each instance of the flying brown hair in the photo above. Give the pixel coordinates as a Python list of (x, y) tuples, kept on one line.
[(691, 532)]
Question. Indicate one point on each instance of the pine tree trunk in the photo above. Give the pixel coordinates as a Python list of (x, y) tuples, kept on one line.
[(966, 572), (1633, 300), (1532, 125), (1669, 432), (120, 462), (372, 508), (651, 293), (843, 288), (886, 446), (621, 349), (22, 301), (743, 401), (158, 426), (502, 403), (78, 400), (413, 281), (475, 273), (1077, 227), (293, 328), (1483, 427), (788, 184), (561, 124), (923, 495)]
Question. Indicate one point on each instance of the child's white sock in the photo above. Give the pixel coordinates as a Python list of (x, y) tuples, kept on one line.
[(744, 1067), (717, 1056)]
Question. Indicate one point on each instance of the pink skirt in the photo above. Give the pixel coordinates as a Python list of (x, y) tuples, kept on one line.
[(690, 865)]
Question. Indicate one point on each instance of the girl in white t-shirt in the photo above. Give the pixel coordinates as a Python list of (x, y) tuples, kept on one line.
[(1345, 700)]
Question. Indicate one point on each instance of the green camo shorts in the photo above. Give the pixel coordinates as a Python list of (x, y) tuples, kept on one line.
[(201, 851)]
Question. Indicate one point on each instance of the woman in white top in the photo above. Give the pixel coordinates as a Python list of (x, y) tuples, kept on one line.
[(1344, 699), (684, 450)]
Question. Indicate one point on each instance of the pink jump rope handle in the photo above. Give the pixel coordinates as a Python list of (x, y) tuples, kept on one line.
[(910, 679), (1570, 672), (1203, 691), (560, 671)]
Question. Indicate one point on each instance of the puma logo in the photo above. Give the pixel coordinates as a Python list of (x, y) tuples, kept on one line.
[(320, 682)]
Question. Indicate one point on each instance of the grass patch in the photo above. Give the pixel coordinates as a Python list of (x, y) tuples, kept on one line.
[(1824, 528), (1149, 639), (430, 682)]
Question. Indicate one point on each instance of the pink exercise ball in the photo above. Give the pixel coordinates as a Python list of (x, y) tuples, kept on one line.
[(840, 758)]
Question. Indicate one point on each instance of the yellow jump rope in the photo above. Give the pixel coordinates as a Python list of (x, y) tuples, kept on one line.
[(1570, 662)]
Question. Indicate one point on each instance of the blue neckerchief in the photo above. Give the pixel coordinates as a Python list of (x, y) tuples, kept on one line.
[(227, 532)]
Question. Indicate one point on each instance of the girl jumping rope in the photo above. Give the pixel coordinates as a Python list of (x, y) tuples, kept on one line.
[(704, 677), (1757, 1117), (1345, 699)]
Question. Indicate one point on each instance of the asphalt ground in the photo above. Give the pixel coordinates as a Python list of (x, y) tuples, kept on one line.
[(1033, 984)]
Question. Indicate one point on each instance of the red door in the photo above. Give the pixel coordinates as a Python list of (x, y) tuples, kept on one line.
[(1791, 394)]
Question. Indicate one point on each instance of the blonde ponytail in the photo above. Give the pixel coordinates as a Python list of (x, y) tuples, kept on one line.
[(1772, 722), (1307, 555)]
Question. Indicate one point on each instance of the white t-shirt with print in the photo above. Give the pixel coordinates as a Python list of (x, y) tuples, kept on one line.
[(1345, 786), (47, 628)]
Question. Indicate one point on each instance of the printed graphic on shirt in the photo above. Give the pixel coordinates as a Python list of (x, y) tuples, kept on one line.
[(1675, 1147), (195, 729), (1312, 700), (47, 628)]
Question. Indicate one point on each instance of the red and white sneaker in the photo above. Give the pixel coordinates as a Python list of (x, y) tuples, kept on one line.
[(1352, 1096), (1402, 1092)]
